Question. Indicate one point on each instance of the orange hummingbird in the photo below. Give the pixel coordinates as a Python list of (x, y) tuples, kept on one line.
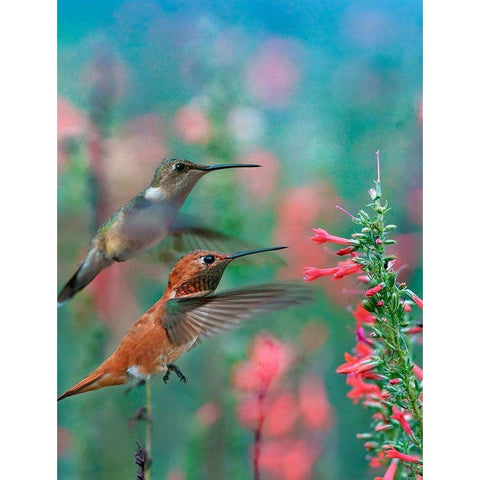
[(187, 312), (144, 221)]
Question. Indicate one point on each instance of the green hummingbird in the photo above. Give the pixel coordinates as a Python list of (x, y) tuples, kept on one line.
[(143, 222)]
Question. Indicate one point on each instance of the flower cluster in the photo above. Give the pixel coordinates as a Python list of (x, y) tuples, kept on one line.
[(286, 422), (380, 371)]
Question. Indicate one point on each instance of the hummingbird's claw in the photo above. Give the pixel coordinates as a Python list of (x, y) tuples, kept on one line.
[(178, 372)]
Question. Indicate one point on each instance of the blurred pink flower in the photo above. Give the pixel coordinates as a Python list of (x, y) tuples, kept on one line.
[(175, 475), (131, 156), (111, 284), (71, 124), (260, 184), (281, 414), (297, 210), (208, 414), (272, 74), (193, 125), (288, 459), (314, 405), (268, 361), (415, 206), (246, 124), (408, 250), (63, 441)]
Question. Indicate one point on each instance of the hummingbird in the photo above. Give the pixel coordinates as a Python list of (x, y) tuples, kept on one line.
[(188, 312), (144, 221)]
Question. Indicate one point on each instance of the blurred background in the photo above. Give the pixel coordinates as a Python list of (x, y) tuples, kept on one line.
[(309, 90)]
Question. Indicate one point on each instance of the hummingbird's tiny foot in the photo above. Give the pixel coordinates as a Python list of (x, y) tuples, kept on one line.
[(178, 372), (166, 376)]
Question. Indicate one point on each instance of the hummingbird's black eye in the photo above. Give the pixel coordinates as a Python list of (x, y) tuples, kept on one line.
[(180, 167), (208, 259)]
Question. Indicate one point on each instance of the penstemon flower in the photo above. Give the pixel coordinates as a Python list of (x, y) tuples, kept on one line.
[(380, 370)]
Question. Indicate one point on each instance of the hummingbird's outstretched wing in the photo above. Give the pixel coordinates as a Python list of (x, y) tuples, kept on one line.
[(185, 235), (190, 319)]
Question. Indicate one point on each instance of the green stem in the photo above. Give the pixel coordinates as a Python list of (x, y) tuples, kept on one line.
[(148, 436)]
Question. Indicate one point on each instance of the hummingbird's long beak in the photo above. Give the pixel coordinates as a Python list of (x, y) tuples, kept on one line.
[(211, 168), (251, 252)]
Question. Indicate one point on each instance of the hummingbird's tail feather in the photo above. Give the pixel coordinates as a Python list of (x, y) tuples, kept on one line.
[(99, 378), (94, 263)]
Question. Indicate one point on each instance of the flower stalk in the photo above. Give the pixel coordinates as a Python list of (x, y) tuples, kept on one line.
[(381, 371)]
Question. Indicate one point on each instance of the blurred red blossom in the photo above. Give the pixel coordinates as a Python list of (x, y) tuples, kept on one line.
[(297, 210), (314, 405), (208, 414), (281, 414), (415, 206), (408, 252), (193, 125), (72, 123), (260, 187), (269, 359), (288, 458), (63, 441), (175, 475), (272, 74), (273, 411), (133, 153)]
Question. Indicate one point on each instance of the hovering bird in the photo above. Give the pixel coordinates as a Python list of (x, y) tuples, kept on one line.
[(187, 312), (144, 221)]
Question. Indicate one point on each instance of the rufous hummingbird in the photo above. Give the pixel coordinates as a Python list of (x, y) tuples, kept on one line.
[(143, 222), (187, 312)]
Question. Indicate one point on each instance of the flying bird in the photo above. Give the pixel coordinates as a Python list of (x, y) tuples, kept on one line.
[(144, 221), (187, 312)]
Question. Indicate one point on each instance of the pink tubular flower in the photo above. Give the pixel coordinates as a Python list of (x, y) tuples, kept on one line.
[(345, 268), (418, 301), (345, 251), (418, 372), (322, 236), (391, 470), (400, 418), (392, 452), (356, 365), (372, 291), (362, 316), (415, 298), (361, 389), (312, 273)]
